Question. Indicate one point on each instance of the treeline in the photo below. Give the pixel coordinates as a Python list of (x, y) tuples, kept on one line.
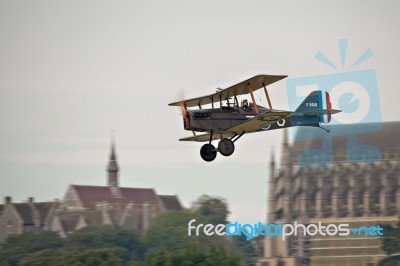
[(165, 243), (391, 245)]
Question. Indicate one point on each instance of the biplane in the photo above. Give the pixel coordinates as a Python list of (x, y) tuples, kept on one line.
[(228, 120)]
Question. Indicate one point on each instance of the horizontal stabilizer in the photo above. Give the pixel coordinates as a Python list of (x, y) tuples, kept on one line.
[(323, 112)]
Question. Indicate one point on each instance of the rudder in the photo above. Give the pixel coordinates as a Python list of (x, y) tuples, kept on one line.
[(315, 101)]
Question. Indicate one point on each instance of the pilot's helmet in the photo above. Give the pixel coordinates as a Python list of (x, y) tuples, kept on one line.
[(245, 103)]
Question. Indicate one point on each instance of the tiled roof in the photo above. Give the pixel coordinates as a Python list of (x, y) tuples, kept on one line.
[(92, 195), (44, 208), (25, 212), (171, 203), (382, 137), (139, 195)]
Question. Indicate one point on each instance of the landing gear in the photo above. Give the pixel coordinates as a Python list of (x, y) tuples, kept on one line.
[(208, 152), (226, 147)]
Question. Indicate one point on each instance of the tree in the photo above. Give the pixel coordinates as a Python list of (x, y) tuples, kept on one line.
[(194, 254), (214, 208), (167, 243), (18, 247), (47, 257), (157, 257), (122, 243), (171, 230), (391, 245), (95, 257), (281, 262), (250, 249)]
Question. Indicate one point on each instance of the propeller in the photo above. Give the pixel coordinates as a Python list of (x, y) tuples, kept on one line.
[(184, 111), (185, 115)]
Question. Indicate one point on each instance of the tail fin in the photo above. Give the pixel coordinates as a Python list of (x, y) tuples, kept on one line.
[(317, 103)]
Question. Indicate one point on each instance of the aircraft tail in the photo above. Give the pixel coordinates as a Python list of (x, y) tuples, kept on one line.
[(318, 103)]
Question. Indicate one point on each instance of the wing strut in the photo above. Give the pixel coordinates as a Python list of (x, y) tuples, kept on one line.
[(252, 98), (267, 95), (238, 137)]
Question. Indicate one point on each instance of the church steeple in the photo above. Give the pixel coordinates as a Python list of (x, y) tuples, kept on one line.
[(112, 168), (285, 148), (272, 158), (285, 143)]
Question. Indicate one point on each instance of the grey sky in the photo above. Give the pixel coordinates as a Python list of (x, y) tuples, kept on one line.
[(71, 71)]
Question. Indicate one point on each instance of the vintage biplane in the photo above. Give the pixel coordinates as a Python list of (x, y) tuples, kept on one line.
[(228, 120)]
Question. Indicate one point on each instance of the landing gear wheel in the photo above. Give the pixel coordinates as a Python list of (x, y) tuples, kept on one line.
[(208, 152), (226, 147)]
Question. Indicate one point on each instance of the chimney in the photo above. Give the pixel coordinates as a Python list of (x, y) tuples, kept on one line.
[(31, 200), (7, 200)]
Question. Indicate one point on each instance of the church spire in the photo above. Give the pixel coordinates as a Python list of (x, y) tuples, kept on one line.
[(272, 157), (112, 168), (285, 147), (285, 137)]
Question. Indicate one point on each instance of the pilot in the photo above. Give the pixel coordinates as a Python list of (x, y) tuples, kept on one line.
[(244, 104)]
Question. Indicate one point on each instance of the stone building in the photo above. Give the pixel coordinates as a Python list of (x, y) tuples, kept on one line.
[(131, 208), (352, 176), (18, 218)]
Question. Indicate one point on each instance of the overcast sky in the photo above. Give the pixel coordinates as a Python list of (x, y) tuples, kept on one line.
[(72, 71)]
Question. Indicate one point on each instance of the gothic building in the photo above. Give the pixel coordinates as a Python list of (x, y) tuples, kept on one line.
[(352, 176), (131, 208)]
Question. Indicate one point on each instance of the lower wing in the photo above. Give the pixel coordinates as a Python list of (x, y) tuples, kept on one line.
[(259, 121)]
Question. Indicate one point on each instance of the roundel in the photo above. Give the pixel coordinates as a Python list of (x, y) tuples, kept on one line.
[(281, 122)]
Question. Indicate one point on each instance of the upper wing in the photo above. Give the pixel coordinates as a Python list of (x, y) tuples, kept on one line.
[(256, 83), (259, 121)]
